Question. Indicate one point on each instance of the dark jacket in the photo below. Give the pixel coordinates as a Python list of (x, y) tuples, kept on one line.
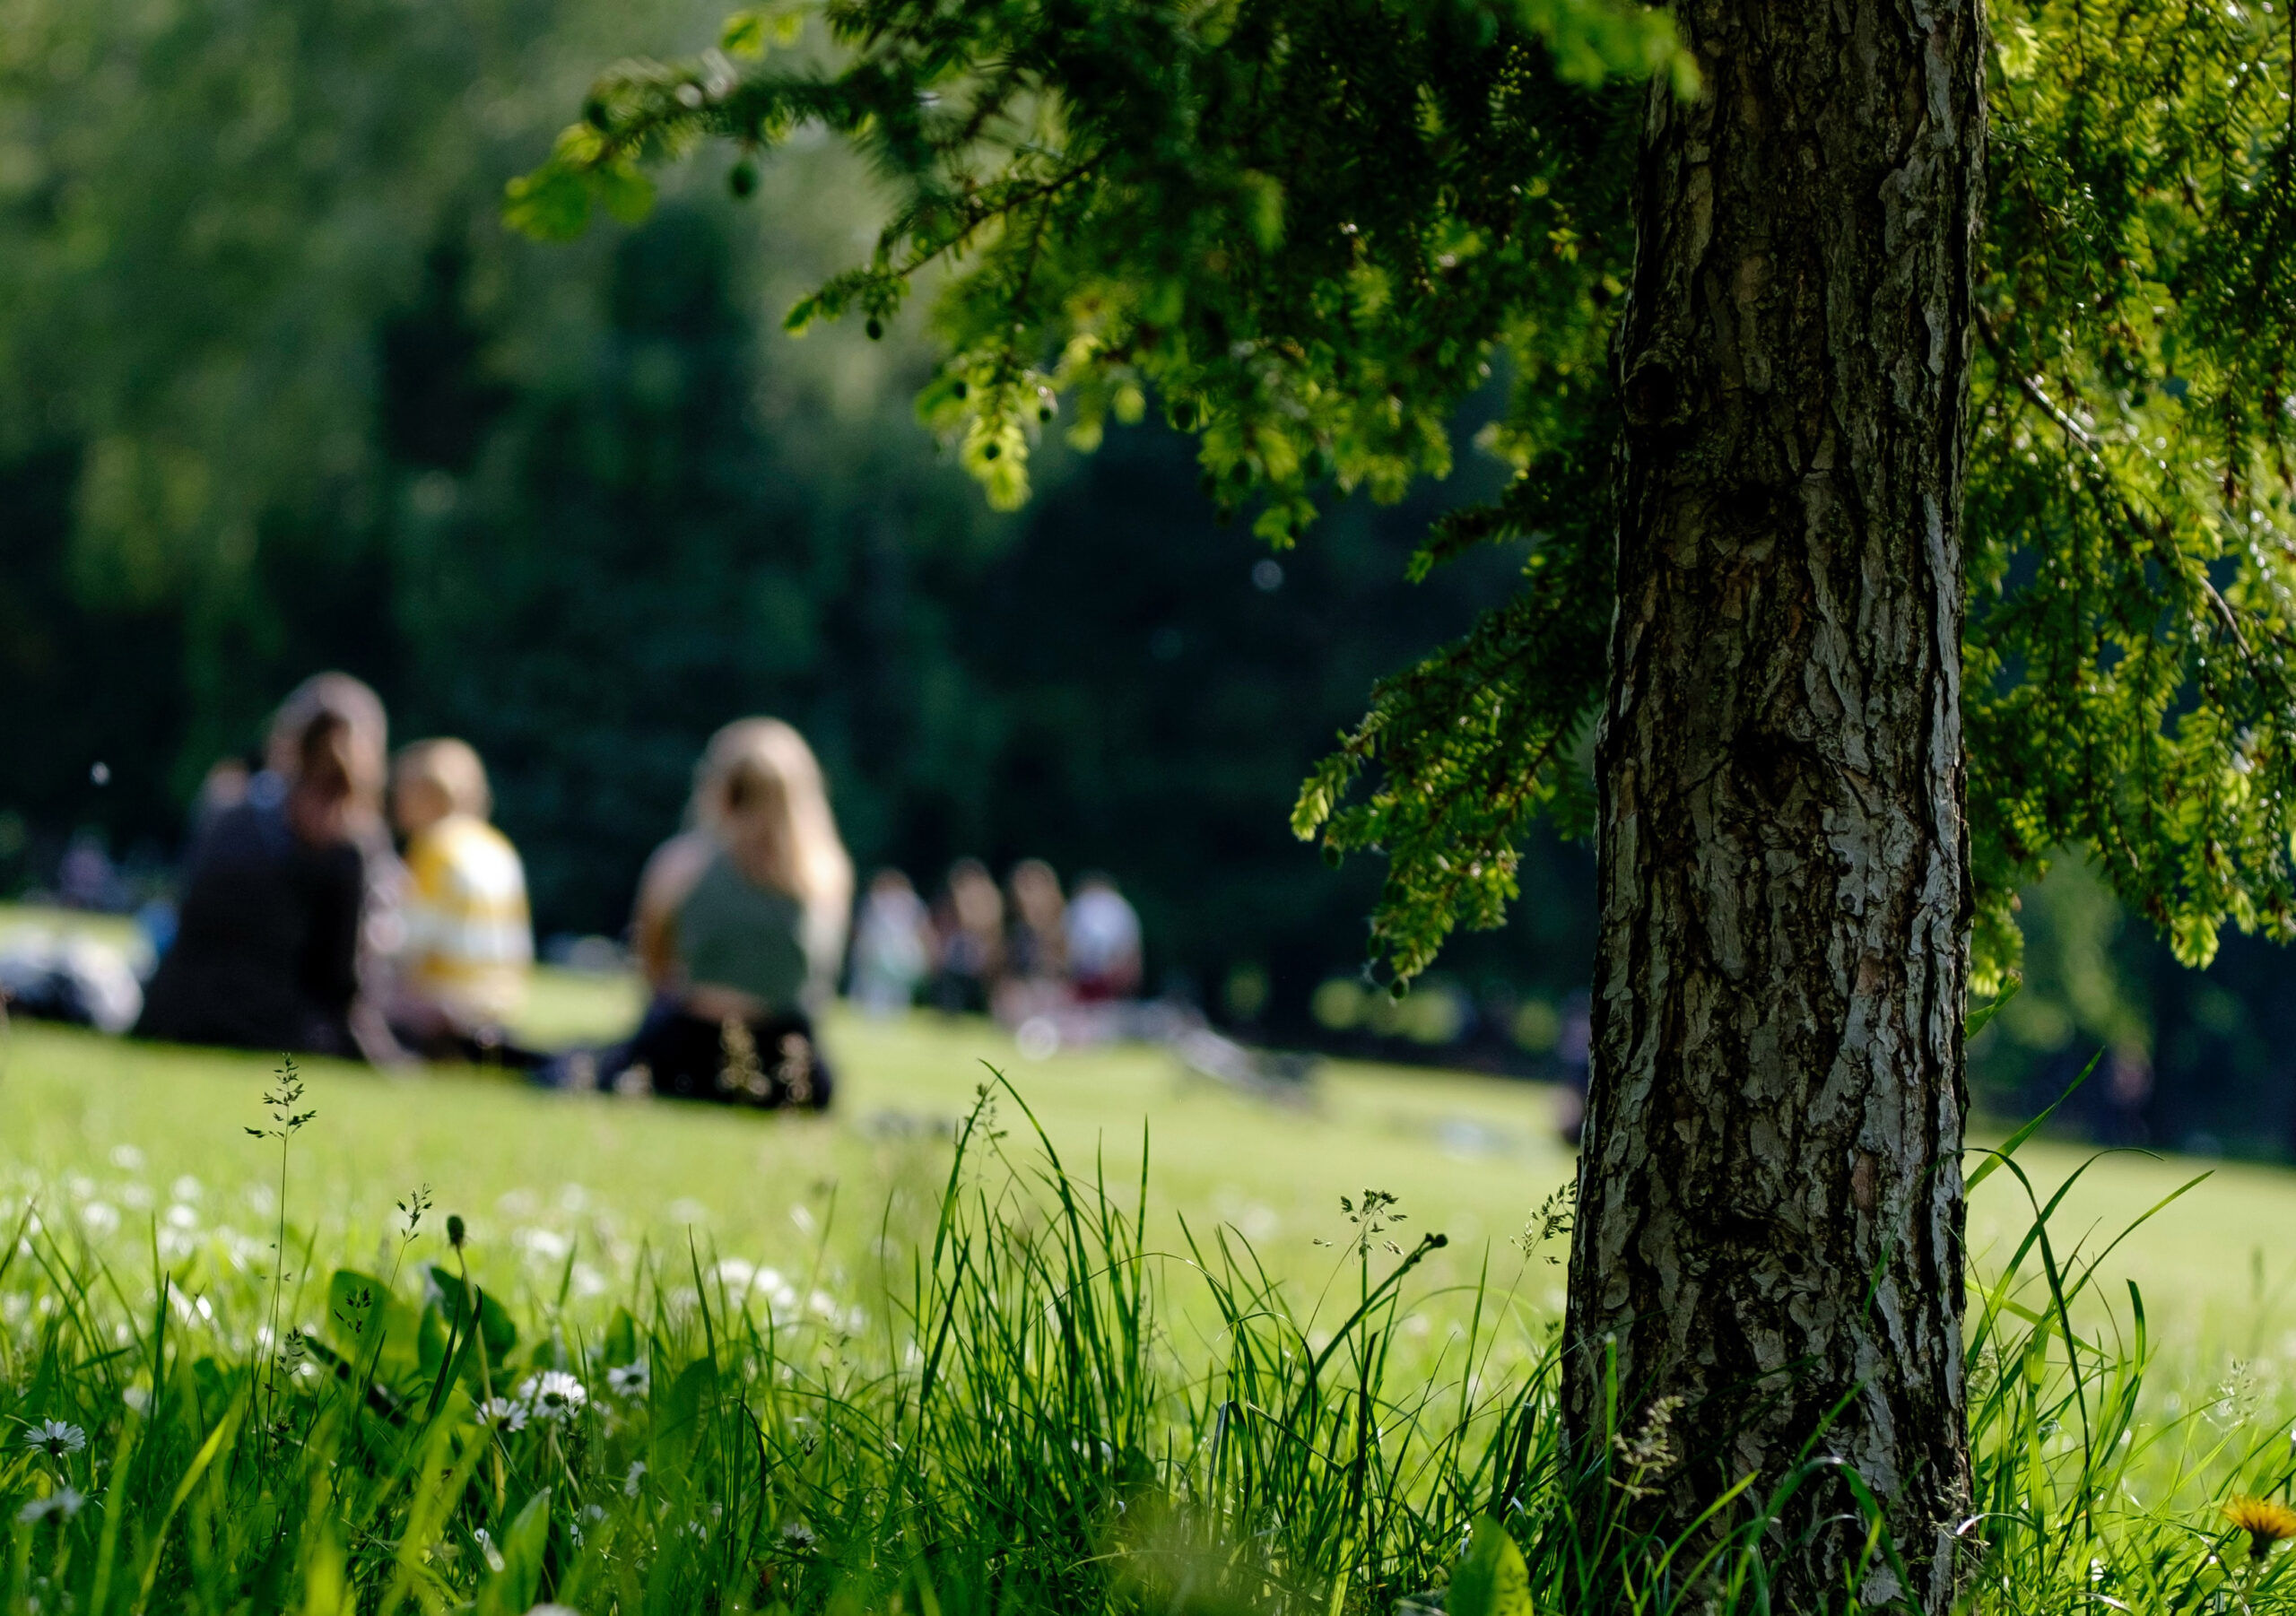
[(265, 954)]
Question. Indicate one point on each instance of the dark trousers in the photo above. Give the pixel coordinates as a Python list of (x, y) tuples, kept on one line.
[(769, 1062)]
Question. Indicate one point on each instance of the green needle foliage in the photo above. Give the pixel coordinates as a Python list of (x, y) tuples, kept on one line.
[(1308, 228), (1307, 231), (2129, 681), (1015, 1400)]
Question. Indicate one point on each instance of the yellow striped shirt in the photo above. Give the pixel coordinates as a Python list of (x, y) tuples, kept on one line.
[(469, 937)]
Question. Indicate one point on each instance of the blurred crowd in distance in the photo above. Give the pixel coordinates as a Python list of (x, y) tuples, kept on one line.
[(344, 898), (340, 899)]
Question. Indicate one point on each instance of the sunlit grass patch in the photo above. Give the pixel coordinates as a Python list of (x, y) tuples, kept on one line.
[(678, 1354), (984, 1378)]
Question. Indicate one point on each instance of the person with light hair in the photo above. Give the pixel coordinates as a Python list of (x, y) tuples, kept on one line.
[(468, 946), (739, 929)]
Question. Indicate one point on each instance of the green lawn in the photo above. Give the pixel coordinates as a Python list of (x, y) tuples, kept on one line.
[(126, 1152), (117, 1123), (1469, 1155)]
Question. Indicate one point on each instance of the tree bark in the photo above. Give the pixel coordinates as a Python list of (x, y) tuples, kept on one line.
[(1769, 1218)]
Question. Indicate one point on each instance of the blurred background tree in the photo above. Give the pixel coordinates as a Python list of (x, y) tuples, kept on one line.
[(278, 392)]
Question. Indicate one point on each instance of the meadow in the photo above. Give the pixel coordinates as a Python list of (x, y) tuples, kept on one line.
[(956, 1347)]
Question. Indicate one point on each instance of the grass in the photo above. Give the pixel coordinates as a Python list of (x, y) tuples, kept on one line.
[(841, 1364)]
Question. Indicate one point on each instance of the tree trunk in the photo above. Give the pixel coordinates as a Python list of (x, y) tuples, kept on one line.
[(1770, 1218)]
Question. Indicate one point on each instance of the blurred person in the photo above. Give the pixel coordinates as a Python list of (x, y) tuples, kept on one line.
[(62, 977), (364, 823), (1035, 982), (365, 756), (969, 929), (740, 927), (893, 945), (87, 879), (225, 785), (469, 946), (1036, 945), (1103, 937), (271, 949)]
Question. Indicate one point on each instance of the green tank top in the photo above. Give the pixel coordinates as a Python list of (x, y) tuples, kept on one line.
[(732, 933)]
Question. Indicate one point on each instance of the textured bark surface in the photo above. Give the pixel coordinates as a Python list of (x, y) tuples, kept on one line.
[(1769, 1222)]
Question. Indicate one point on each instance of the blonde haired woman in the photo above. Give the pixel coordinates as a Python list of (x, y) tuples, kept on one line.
[(740, 927)]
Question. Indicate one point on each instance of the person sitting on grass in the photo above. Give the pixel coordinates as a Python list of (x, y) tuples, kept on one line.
[(893, 946), (739, 928), (1103, 941), (270, 951), (469, 941)]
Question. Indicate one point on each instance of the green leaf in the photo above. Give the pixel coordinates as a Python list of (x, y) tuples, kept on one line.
[(1975, 1022), (627, 194), (1491, 1579), (620, 1344), (744, 34), (366, 1323), (493, 1323), (326, 1588), (511, 1590), (678, 1421), (1264, 197), (552, 204)]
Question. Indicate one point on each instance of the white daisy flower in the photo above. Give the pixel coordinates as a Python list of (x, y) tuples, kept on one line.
[(502, 1414), (55, 1438), (629, 1380), (553, 1395), (634, 1479), (62, 1503)]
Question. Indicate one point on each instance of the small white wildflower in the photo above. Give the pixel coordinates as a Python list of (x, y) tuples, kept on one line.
[(55, 1438), (798, 1536), (62, 1503), (553, 1395), (629, 1380), (502, 1414), (634, 1479), (546, 1244)]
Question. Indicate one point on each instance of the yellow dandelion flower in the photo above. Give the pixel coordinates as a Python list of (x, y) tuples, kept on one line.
[(2266, 1521)]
